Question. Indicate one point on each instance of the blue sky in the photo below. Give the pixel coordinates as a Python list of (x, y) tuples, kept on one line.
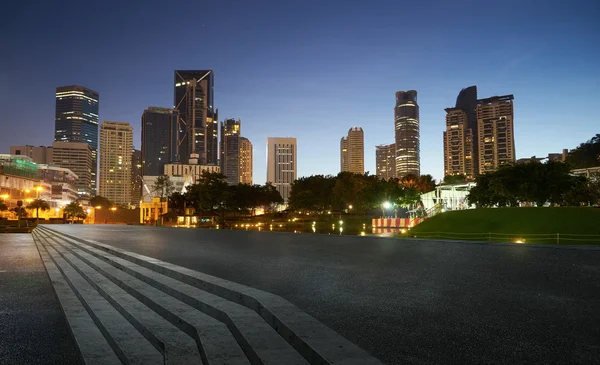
[(309, 69)]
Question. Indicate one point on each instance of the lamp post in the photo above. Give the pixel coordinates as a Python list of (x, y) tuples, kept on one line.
[(113, 209), (38, 189), (384, 206)]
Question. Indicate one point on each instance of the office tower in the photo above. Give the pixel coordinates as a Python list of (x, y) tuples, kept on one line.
[(281, 164), (136, 177), (39, 154), (194, 99), (495, 132), (344, 154), (76, 120), (116, 144), (246, 155), (385, 161), (77, 157), (406, 123), (458, 145), (230, 150), (467, 102), (352, 151), (159, 139)]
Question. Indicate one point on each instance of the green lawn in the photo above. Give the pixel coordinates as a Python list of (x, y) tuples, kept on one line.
[(563, 225)]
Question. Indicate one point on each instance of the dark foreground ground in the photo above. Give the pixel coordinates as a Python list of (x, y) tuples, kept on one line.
[(420, 302), (33, 329)]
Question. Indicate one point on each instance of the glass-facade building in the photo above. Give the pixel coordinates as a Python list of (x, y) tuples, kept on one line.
[(76, 120), (199, 127), (159, 140), (406, 124), (230, 150)]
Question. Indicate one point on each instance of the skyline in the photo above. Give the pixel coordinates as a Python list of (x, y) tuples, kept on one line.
[(293, 80)]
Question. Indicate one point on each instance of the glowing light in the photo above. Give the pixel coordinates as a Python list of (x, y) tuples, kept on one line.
[(520, 240), (341, 222), (363, 233), (387, 205), (350, 206), (98, 207)]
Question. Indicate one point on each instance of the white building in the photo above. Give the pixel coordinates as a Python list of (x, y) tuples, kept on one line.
[(281, 164)]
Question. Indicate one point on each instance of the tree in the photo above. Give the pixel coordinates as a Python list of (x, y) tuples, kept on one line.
[(211, 193), (455, 179), (100, 201), (163, 186), (38, 204), (177, 202), (3, 207), (586, 154), (73, 210)]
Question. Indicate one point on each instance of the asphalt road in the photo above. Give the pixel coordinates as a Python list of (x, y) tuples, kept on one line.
[(33, 329), (417, 302)]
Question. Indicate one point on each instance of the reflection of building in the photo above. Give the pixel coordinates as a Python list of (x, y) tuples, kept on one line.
[(385, 161), (194, 99), (230, 150), (246, 156), (60, 184), (77, 157), (159, 139), (76, 120), (406, 123), (458, 145), (116, 144), (495, 132), (281, 164), (39, 154), (136, 177), (352, 151)]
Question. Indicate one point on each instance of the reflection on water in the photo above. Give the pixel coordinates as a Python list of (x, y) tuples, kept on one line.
[(362, 229)]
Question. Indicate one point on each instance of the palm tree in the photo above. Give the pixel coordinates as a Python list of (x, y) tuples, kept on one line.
[(3, 207), (38, 204), (73, 210)]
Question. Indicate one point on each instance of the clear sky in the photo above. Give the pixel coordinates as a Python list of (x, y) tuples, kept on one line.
[(309, 69)]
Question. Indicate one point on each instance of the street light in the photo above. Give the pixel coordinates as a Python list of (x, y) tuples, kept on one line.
[(37, 191), (113, 213)]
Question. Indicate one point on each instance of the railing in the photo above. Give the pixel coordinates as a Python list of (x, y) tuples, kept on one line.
[(522, 238)]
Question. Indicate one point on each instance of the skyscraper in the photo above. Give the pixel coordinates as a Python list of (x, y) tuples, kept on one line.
[(194, 99), (406, 123), (458, 144), (116, 144), (246, 155), (352, 151), (495, 135), (77, 157), (385, 161), (230, 150), (159, 139), (76, 119), (136, 177), (467, 102), (344, 154), (281, 164)]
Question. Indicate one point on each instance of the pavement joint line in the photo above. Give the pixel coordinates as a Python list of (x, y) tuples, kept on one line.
[(178, 347), (263, 342), (125, 352), (188, 319), (315, 341), (90, 341)]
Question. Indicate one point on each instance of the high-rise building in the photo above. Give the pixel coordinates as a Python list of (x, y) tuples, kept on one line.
[(246, 155), (495, 132), (76, 120), (467, 102), (385, 161), (406, 123), (116, 144), (281, 164), (39, 154), (230, 150), (458, 145), (136, 177), (194, 99), (344, 154), (77, 157), (159, 139), (352, 151)]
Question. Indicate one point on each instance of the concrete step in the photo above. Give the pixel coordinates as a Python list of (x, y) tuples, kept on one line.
[(175, 346), (248, 313)]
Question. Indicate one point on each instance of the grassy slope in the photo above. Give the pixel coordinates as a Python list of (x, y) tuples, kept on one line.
[(563, 220)]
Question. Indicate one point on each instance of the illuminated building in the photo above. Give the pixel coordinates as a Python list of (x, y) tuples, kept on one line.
[(495, 132), (281, 164), (352, 151), (385, 161), (116, 144), (76, 119), (406, 124), (159, 139), (77, 157), (458, 145), (230, 150), (194, 99), (246, 155), (136, 177)]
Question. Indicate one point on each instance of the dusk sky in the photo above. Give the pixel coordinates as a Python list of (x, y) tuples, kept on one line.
[(309, 69)]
